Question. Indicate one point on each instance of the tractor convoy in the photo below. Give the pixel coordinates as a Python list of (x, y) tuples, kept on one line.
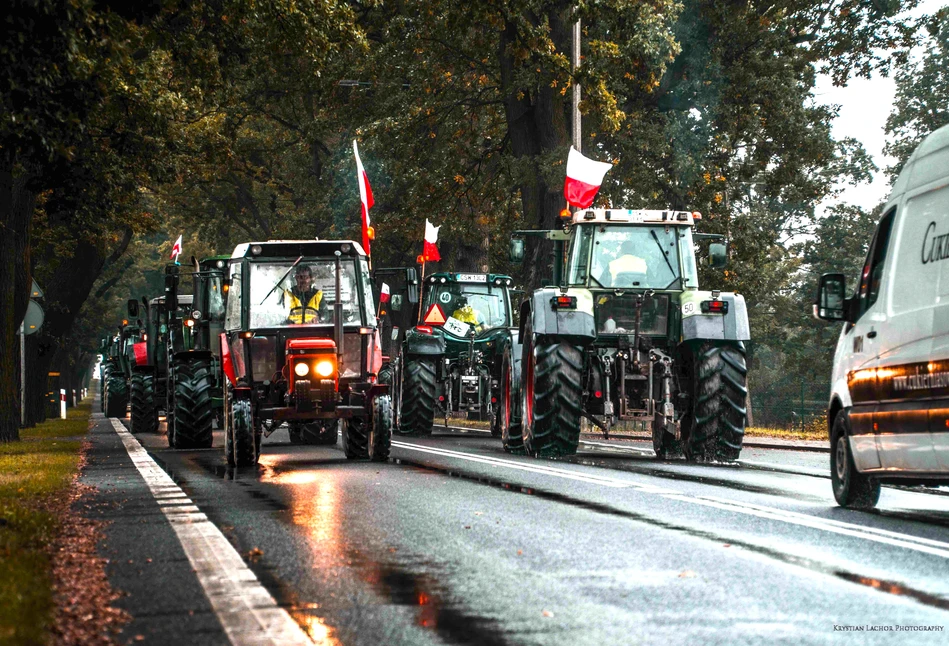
[(303, 333)]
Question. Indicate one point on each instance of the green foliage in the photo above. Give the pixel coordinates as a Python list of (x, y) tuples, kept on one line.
[(922, 95)]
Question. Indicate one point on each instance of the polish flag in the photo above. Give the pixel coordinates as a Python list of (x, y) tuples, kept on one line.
[(384, 295), (429, 250), (176, 250), (365, 196), (584, 177)]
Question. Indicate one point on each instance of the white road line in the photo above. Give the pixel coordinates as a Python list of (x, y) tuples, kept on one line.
[(534, 468), (787, 468), (619, 449), (907, 541), (248, 613)]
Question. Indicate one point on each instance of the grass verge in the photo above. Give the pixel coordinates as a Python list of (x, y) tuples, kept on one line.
[(39, 468)]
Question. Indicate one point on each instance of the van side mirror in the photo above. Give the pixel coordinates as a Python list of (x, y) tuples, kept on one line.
[(831, 302), (717, 255), (411, 285), (133, 308), (516, 250)]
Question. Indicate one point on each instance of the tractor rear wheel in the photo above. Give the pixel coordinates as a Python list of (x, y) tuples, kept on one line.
[(719, 380), (355, 438), (380, 430), (144, 414), (550, 395), (118, 396), (314, 433), (419, 388), (243, 433), (508, 418), (193, 413)]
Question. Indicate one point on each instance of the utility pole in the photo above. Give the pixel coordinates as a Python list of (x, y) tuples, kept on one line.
[(574, 64)]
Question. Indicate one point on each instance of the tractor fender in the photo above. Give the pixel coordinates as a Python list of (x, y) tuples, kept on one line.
[(576, 322), (731, 326), (419, 343)]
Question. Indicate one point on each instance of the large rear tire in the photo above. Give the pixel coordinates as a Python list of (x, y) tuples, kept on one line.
[(314, 433), (509, 404), (551, 393), (144, 413), (243, 434), (380, 430), (194, 412), (852, 489), (718, 408), (419, 389), (355, 438), (118, 396)]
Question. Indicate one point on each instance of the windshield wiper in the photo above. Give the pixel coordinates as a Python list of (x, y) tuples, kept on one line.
[(663, 251), (282, 278)]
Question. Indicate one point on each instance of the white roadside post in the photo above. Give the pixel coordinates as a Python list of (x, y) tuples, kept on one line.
[(62, 403)]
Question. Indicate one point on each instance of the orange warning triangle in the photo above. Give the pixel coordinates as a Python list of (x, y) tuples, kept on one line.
[(434, 315)]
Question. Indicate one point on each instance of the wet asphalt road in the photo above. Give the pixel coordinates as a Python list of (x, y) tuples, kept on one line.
[(453, 541)]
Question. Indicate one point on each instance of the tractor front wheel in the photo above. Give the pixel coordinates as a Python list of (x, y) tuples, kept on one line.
[(243, 433), (355, 438), (380, 429), (118, 396)]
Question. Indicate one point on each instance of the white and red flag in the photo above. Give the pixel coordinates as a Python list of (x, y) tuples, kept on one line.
[(429, 250), (584, 177), (365, 197), (176, 249), (384, 294)]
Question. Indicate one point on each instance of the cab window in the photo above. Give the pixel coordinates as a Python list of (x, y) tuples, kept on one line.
[(872, 276)]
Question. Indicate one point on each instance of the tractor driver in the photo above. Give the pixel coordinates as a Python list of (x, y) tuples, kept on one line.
[(306, 301), (465, 313), (628, 269)]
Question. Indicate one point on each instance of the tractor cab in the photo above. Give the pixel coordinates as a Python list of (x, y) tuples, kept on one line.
[(301, 345), (464, 306)]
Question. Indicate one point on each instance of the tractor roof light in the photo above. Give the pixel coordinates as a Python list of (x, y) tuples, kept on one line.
[(442, 280), (256, 249), (219, 264), (196, 315), (696, 215), (371, 233)]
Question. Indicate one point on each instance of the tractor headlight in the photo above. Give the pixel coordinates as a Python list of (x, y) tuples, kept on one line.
[(325, 368), (301, 368)]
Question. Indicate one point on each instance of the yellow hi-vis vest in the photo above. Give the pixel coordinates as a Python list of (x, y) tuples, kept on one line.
[(308, 314), (467, 314)]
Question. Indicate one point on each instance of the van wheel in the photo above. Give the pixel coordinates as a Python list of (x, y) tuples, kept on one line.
[(851, 488)]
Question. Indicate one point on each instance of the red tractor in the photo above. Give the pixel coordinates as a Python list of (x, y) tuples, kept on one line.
[(301, 346)]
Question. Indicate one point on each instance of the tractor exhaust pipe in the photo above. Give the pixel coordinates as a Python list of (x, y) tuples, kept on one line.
[(338, 316)]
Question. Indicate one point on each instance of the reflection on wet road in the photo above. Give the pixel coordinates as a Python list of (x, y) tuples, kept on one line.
[(455, 542)]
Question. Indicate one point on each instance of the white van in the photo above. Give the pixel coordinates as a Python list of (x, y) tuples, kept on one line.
[(888, 415)]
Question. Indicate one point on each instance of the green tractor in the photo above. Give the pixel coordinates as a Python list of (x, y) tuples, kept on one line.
[(624, 334), (163, 337), (301, 345), (117, 360), (451, 360)]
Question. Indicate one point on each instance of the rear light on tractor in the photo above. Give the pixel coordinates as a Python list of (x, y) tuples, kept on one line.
[(715, 307), (563, 302), (424, 329)]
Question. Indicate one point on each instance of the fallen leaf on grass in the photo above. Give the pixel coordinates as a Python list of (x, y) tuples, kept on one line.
[(547, 613)]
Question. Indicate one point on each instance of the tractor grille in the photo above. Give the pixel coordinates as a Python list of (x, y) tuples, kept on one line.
[(617, 314)]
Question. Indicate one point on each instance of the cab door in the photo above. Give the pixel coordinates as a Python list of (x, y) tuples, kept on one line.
[(861, 341)]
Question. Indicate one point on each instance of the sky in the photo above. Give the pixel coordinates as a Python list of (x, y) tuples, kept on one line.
[(865, 105)]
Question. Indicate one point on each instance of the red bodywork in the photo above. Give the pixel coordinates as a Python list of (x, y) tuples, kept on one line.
[(308, 349)]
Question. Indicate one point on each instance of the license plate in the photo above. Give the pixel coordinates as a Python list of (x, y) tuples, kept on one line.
[(472, 278)]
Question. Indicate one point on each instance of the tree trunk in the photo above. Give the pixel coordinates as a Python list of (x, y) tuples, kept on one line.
[(16, 210), (538, 121)]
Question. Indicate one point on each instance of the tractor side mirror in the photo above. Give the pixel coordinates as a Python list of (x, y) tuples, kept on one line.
[(411, 285), (831, 302), (717, 255), (133, 308), (516, 250)]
